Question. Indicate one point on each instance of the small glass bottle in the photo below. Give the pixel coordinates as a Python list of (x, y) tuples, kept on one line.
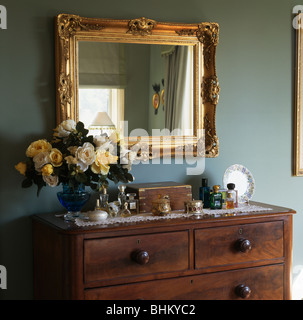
[(98, 205), (230, 201), (205, 193), (231, 188), (224, 195), (133, 204), (216, 198), (121, 195), (104, 199), (124, 212)]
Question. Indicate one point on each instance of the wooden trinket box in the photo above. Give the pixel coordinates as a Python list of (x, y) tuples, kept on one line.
[(149, 192)]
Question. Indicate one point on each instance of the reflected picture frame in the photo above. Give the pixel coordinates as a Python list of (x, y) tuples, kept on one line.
[(156, 100), (298, 117)]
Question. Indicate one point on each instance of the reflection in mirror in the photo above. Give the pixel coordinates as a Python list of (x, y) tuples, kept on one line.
[(122, 79)]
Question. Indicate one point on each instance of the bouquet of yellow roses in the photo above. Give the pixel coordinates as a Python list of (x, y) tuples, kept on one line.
[(74, 158)]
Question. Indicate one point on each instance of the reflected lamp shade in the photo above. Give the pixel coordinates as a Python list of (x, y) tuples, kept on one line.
[(102, 121)]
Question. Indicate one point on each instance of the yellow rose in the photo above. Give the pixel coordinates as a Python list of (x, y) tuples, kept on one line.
[(105, 157), (47, 170), (56, 157), (102, 168), (102, 161), (21, 167), (37, 147)]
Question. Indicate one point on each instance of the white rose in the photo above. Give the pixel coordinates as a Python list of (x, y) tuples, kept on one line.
[(85, 155), (83, 167), (107, 146), (100, 140), (65, 128), (51, 180), (72, 160), (41, 159)]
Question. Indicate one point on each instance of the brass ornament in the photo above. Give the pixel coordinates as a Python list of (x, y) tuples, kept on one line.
[(186, 32), (208, 33), (65, 89), (211, 139), (68, 25), (141, 26), (210, 90)]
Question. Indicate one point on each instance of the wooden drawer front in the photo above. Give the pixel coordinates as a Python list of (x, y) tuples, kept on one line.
[(222, 245), (261, 283), (115, 257)]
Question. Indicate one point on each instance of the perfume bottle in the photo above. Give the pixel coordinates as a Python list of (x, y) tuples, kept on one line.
[(98, 205), (98, 214), (121, 195), (216, 198), (124, 212), (230, 200), (104, 199), (224, 195), (231, 189), (133, 203), (205, 193)]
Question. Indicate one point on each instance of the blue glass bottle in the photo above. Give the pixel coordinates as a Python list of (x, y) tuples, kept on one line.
[(205, 193)]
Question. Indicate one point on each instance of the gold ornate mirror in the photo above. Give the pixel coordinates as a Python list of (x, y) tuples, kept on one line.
[(152, 75)]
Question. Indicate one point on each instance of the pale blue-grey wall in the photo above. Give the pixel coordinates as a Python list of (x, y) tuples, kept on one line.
[(254, 116)]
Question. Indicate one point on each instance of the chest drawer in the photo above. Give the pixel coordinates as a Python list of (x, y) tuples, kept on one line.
[(237, 244), (124, 257), (253, 283)]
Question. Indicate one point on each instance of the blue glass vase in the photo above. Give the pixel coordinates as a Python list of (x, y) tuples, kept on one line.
[(73, 199)]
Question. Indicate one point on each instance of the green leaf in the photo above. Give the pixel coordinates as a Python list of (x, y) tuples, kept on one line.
[(39, 189), (129, 177), (89, 139), (27, 183), (81, 177), (80, 126)]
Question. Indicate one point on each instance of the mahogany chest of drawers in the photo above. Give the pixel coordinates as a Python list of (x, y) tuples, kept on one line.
[(245, 256)]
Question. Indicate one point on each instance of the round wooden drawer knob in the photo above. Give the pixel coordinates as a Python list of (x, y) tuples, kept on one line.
[(243, 291), (243, 245), (140, 256)]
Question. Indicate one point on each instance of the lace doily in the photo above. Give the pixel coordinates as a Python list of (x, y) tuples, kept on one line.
[(149, 217)]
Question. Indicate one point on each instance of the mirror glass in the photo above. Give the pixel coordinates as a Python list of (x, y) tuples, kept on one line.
[(148, 85)]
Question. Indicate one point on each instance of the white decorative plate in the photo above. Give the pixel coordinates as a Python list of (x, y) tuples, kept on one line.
[(243, 180)]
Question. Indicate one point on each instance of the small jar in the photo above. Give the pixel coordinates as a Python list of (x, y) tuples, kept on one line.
[(161, 206), (194, 207)]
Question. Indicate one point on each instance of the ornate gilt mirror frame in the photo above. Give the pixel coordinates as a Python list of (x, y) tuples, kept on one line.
[(69, 29)]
